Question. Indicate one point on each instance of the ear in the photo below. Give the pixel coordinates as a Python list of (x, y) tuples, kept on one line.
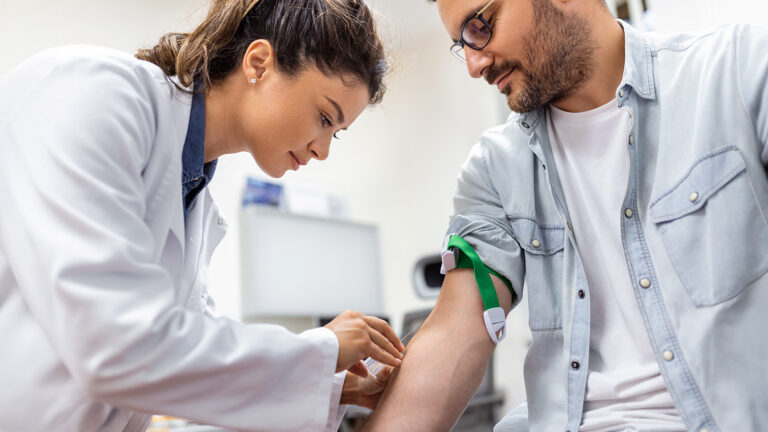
[(259, 60)]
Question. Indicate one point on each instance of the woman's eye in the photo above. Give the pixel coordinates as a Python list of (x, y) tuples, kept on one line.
[(325, 121)]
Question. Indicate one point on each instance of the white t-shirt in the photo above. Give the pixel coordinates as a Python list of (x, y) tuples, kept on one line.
[(625, 389)]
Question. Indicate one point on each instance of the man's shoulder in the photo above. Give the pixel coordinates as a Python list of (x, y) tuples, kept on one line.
[(706, 40), (506, 138), (502, 150)]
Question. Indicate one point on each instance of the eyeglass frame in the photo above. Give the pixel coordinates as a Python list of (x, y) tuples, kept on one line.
[(461, 43)]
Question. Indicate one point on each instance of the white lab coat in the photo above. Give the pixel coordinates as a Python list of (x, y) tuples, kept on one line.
[(103, 298)]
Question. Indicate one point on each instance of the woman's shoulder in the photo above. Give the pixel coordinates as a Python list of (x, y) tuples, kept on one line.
[(101, 65), (105, 91)]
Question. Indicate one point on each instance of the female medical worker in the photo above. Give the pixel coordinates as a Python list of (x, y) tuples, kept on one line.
[(107, 227)]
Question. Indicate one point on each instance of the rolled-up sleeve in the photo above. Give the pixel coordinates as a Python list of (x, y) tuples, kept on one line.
[(479, 218)]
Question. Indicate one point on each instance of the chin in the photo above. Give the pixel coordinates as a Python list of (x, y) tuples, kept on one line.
[(270, 171), (275, 173)]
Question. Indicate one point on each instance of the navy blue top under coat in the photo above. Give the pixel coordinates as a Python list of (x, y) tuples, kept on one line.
[(195, 173)]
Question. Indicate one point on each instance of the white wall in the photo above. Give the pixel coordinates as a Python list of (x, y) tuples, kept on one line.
[(27, 27), (689, 15)]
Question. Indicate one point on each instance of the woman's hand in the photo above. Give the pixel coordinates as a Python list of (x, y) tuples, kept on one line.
[(362, 336), (365, 392)]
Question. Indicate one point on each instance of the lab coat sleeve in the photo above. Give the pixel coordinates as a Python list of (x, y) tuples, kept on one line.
[(73, 149), (752, 62), (336, 411)]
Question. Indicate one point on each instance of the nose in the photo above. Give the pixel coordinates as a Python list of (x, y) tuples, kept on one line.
[(477, 61), (320, 148)]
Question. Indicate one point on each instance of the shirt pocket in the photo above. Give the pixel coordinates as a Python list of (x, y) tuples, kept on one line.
[(543, 246), (713, 229)]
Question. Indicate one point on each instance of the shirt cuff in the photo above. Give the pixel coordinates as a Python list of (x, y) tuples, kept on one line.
[(336, 411)]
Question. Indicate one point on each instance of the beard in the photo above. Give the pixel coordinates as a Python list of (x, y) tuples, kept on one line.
[(560, 53)]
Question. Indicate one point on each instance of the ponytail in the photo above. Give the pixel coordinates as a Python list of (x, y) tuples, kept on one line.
[(336, 36)]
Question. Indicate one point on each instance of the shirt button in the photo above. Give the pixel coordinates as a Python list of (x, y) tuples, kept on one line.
[(628, 213), (575, 365), (536, 243), (525, 125), (220, 221), (693, 196), (631, 139), (582, 294), (621, 93), (668, 355), (645, 283)]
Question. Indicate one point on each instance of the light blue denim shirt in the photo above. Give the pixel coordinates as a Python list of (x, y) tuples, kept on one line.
[(695, 241)]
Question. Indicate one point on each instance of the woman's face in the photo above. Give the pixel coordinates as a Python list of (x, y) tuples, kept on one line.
[(287, 121)]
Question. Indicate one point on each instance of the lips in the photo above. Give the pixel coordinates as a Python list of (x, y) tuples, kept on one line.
[(502, 79), (296, 162)]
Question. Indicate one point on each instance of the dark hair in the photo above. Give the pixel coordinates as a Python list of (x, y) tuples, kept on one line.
[(335, 36)]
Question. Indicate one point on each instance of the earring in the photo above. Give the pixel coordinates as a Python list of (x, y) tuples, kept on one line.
[(253, 81)]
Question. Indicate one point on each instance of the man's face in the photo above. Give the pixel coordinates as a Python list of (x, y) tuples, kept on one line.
[(537, 54)]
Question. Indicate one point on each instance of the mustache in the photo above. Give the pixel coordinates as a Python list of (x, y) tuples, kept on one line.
[(496, 71)]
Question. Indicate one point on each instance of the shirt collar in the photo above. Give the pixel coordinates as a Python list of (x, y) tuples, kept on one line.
[(638, 75), (193, 154), (638, 63)]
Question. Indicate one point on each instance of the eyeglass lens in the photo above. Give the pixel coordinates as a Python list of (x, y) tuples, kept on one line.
[(476, 33)]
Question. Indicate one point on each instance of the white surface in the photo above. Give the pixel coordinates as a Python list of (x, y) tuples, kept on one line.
[(300, 265), (28, 27), (673, 16), (625, 388)]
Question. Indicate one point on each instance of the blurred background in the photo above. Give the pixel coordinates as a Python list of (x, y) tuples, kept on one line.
[(383, 197)]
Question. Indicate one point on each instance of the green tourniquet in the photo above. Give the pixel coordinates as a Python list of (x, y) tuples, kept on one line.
[(484, 283), (465, 262)]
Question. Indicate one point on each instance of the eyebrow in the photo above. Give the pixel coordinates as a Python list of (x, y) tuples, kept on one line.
[(339, 112)]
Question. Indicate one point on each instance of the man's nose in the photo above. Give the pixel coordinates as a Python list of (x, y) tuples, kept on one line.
[(477, 61)]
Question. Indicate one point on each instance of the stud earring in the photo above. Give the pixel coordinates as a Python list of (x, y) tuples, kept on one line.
[(253, 81)]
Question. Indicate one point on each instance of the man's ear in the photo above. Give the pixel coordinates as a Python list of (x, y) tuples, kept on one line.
[(258, 60)]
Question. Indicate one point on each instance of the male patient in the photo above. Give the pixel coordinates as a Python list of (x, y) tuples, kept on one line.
[(629, 193)]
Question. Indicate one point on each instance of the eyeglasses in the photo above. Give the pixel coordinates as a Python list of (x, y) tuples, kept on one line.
[(475, 33)]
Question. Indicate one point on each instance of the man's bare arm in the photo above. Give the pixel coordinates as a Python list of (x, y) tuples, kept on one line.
[(444, 362)]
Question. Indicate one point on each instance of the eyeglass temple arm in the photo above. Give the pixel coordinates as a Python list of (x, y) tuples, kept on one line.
[(480, 12)]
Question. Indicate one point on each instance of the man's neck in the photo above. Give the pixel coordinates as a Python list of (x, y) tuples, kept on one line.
[(609, 56)]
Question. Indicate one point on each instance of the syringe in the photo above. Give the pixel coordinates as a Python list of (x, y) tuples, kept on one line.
[(375, 366)]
